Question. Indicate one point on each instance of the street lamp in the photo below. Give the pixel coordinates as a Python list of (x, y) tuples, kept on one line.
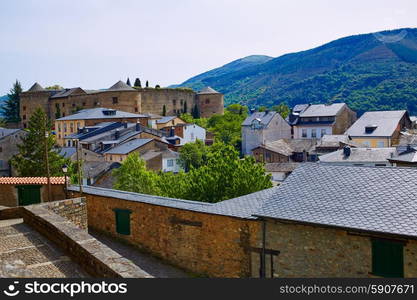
[(65, 171)]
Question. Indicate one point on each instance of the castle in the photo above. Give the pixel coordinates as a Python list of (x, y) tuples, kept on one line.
[(120, 96)]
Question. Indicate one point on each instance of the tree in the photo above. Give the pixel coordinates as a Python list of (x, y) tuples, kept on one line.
[(128, 82), (238, 109), (164, 110), (185, 107), (147, 84), (195, 112), (30, 161), (54, 87), (262, 108), (132, 176), (282, 109), (138, 83), (193, 155), (157, 86), (11, 107), (57, 111)]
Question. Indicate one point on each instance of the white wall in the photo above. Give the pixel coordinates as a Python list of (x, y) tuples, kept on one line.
[(298, 131), (193, 132), (175, 168)]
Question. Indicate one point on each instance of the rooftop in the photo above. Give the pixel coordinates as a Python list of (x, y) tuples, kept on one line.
[(120, 86), (264, 117), (289, 146), (7, 131), (359, 155), (99, 113), (165, 119), (31, 180), (383, 123), (372, 199), (322, 110), (208, 90), (128, 147), (36, 87)]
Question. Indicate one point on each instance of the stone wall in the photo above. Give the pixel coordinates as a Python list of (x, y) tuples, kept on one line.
[(311, 251), (344, 120), (213, 245), (210, 104), (74, 210), (9, 194)]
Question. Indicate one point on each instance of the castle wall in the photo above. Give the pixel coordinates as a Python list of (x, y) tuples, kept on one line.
[(153, 101), (210, 104), (29, 102)]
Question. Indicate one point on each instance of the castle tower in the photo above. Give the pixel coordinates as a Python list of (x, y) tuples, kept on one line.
[(30, 100), (209, 102)]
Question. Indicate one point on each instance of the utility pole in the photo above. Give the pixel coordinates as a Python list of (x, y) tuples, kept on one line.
[(79, 169), (48, 174)]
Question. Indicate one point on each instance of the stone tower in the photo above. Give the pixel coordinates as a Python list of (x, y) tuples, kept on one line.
[(30, 100), (209, 102)]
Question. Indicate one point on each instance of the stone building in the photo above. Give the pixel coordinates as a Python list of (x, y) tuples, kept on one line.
[(120, 96), (9, 139), (262, 127)]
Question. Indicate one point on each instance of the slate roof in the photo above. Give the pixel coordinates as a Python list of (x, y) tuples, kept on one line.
[(208, 90), (120, 86), (93, 169), (7, 131), (264, 117), (405, 154), (281, 167), (359, 155), (31, 180), (322, 110), (335, 140), (98, 113), (67, 152), (279, 146), (165, 119), (372, 199), (386, 122), (240, 207), (128, 147), (66, 92), (300, 107), (36, 87)]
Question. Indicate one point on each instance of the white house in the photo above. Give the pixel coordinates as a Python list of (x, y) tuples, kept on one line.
[(170, 161)]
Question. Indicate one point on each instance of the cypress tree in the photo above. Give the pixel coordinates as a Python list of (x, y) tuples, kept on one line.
[(11, 108), (128, 82), (185, 106), (147, 83), (164, 110), (138, 83), (196, 113)]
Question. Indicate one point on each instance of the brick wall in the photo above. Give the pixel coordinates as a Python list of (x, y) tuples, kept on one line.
[(213, 245)]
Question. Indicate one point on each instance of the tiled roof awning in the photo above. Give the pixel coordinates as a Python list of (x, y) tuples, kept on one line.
[(31, 180)]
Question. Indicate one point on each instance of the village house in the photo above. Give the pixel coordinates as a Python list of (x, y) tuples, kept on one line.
[(165, 160), (379, 128), (262, 127), (316, 120), (186, 132), (88, 118), (374, 157), (168, 121), (406, 156), (280, 171), (285, 150), (120, 153), (330, 143), (9, 139)]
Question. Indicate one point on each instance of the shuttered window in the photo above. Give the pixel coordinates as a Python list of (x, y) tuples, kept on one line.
[(122, 221), (387, 258)]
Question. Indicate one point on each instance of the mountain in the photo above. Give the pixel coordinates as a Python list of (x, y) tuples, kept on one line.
[(375, 71)]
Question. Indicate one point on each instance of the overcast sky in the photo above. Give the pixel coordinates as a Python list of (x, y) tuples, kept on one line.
[(94, 43)]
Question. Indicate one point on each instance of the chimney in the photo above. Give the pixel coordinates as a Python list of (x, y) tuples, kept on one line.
[(346, 151), (137, 127), (172, 131), (117, 134), (125, 125)]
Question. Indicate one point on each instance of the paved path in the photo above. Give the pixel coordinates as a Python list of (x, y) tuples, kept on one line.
[(149, 264), (26, 253)]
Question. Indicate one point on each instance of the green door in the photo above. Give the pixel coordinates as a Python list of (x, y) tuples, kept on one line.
[(29, 194)]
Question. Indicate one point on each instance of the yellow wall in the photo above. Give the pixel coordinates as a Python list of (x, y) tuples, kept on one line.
[(373, 142), (64, 128)]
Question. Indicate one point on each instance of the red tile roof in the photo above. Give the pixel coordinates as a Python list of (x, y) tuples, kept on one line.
[(31, 180)]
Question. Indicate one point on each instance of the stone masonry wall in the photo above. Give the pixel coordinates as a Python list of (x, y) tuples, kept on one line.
[(213, 245), (310, 251), (74, 210)]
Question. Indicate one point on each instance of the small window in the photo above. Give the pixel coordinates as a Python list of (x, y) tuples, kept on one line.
[(366, 144), (24, 108), (387, 258), (63, 114), (1, 149), (313, 133), (122, 221), (24, 117), (304, 133), (25, 125), (322, 132), (63, 104), (84, 103), (71, 127), (380, 144), (136, 109), (65, 127), (115, 100), (380, 165), (174, 102), (170, 163), (207, 101)]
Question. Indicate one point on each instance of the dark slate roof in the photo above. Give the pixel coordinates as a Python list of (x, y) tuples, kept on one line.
[(264, 117), (67, 152), (128, 147), (7, 131), (322, 110), (120, 86), (372, 199), (67, 92), (208, 90), (240, 207), (386, 123), (300, 107), (359, 155), (98, 113), (36, 87), (281, 167), (165, 119)]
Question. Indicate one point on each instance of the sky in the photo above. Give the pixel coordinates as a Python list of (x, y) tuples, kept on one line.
[(95, 43)]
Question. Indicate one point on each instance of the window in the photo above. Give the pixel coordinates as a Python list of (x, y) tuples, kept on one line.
[(380, 165), (24, 117), (78, 125), (59, 127), (71, 127), (122, 221), (207, 101), (380, 144), (174, 102), (313, 133), (115, 100), (136, 109), (65, 127), (24, 108), (322, 132), (366, 144), (1, 149), (170, 162), (84, 103), (387, 258), (304, 133), (63, 104)]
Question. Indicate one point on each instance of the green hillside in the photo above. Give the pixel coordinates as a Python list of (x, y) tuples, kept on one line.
[(368, 71)]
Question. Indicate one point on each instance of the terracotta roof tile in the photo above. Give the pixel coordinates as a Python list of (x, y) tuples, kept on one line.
[(31, 180)]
